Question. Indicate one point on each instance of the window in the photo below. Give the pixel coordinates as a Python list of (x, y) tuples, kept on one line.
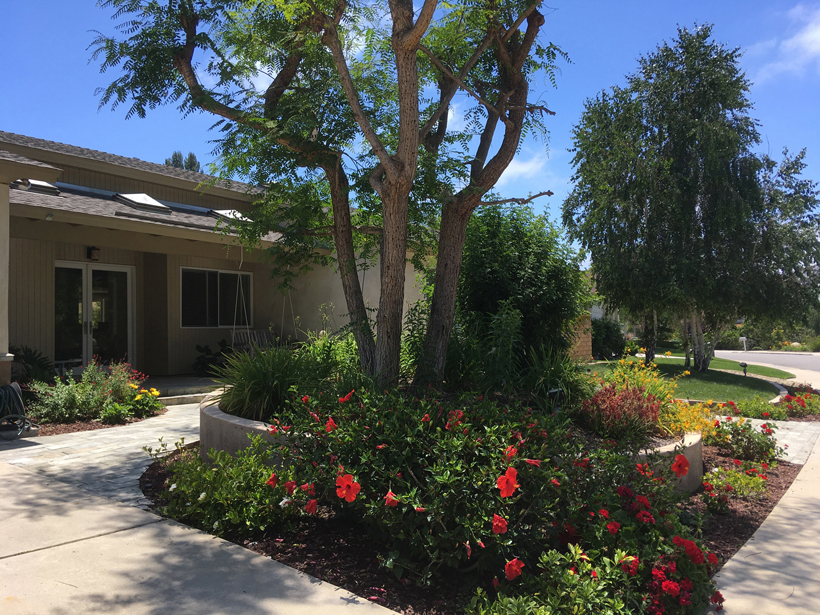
[(215, 298)]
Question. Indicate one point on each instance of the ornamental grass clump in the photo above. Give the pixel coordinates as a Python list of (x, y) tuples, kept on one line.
[(626, 413), (497, 491)]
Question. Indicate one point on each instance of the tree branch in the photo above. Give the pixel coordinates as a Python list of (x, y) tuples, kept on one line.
[(514, 28), (327, 231), (412, 38), (491, 108), (518, 200)]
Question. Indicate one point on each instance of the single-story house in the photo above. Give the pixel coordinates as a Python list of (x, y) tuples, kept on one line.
[(121, 259)]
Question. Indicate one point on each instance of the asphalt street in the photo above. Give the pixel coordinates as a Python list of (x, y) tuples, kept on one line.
[(809, 361)]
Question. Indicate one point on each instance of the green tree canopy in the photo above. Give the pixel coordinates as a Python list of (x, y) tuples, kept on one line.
[(324, 101), (679, 215), (516, 256)]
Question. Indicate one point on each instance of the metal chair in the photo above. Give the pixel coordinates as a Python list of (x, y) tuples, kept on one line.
[(13, 420)]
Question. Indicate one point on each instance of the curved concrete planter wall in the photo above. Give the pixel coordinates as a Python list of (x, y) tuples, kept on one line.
[(225, 432), (693, 451)]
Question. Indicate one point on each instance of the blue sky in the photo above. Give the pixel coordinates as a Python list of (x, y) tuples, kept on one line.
[(48, 86)]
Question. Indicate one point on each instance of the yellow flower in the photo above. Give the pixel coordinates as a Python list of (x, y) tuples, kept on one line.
[(143, 391), (709, 402), (155, 393), (686, 373), (643, 349), (138, 397), (668, 353), (133, 386)]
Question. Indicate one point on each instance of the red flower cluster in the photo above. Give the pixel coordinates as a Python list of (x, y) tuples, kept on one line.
[(456, 417), (513, 568), (624, 492), (613, 527), (630, 567), (645, 517), (692, 550), (507, 482), (643, 469), (681, 466), (581, 463), (347, 488)]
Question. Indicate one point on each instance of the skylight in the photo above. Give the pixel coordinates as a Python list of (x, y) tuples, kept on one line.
[(35, 185), (143, 202), (230, 215)]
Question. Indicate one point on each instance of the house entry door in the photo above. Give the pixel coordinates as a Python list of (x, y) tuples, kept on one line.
[(93, 314)]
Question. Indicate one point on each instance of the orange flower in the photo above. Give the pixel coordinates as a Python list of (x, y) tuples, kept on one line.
[(347, 488), (310, 507), (681, 466), (499, 525), (390, 499), (272, 480), (513, 568), (507, 482)]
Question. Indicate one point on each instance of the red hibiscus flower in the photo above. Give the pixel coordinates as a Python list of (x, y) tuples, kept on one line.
[(510, 452), (534, 462), (390, 499), (309, 488), (513, 568), (420, 509), (613, 527), (310, 507), (347, 488), (290, 487), (581, 463), (305, 399), (496, 583), (499, 525), (273, 480), (681, 466), (330, 425), (425, 418), (347, 397), (380, 446), (469, 549), (555, 482), (506, 483)]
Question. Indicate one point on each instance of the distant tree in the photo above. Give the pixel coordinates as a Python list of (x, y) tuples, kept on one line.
[(190, 163), (679, 215)]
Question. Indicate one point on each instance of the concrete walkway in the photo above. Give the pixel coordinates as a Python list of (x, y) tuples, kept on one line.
[(73, 538)]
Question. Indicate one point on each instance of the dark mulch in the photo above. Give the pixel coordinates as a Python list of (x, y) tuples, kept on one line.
[(812, 418), (725, 534), (54, 429)]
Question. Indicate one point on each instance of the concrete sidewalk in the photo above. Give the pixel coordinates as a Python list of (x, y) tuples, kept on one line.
[(64, 551), (776, 571)]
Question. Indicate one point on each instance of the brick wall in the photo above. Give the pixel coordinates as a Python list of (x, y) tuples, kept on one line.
[(582, 349)]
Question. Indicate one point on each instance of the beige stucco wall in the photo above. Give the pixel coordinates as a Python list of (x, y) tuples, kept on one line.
[(36, 245), (5, 364)]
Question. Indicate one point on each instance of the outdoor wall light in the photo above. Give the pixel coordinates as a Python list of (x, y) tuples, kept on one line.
[(92, 253)]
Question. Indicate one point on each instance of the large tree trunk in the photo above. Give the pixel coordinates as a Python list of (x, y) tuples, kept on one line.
[(685, 340), (391, 301), (650, 336), (453, 231), (348, 271)]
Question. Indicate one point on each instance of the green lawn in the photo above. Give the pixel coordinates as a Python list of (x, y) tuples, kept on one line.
[(717, 386), (733, 365)]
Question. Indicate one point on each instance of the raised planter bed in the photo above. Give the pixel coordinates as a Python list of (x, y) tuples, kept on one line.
[(693, 451), (225, 432)]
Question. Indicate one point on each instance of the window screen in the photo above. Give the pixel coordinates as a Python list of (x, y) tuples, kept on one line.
[(215, 299)]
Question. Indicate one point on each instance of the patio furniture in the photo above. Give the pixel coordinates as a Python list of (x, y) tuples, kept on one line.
[(248, 339), (13, 420)]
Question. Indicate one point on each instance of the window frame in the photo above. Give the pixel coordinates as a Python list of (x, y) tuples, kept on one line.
[(218, 271)]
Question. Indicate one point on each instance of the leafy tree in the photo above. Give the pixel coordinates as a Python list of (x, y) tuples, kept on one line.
[(189, 163), (677, 212), (516, 257), (356, 99)]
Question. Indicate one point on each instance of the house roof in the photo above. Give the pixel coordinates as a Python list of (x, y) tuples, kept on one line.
[(122, 161), (12, 157), (80, 202)]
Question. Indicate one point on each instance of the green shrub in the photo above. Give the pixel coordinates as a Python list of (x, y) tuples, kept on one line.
[(257, 383), (740, 440), (748, 481), (757, 408), (549, 369), (93, 396), (30, 365), (472, 484), (208, 361), (801, 405), (608, 340), (230, 496)]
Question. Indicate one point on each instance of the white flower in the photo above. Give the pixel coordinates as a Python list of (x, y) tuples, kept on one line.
[(174, 486), (216, 524), (201, 496), (716, 470), (284, 502)]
